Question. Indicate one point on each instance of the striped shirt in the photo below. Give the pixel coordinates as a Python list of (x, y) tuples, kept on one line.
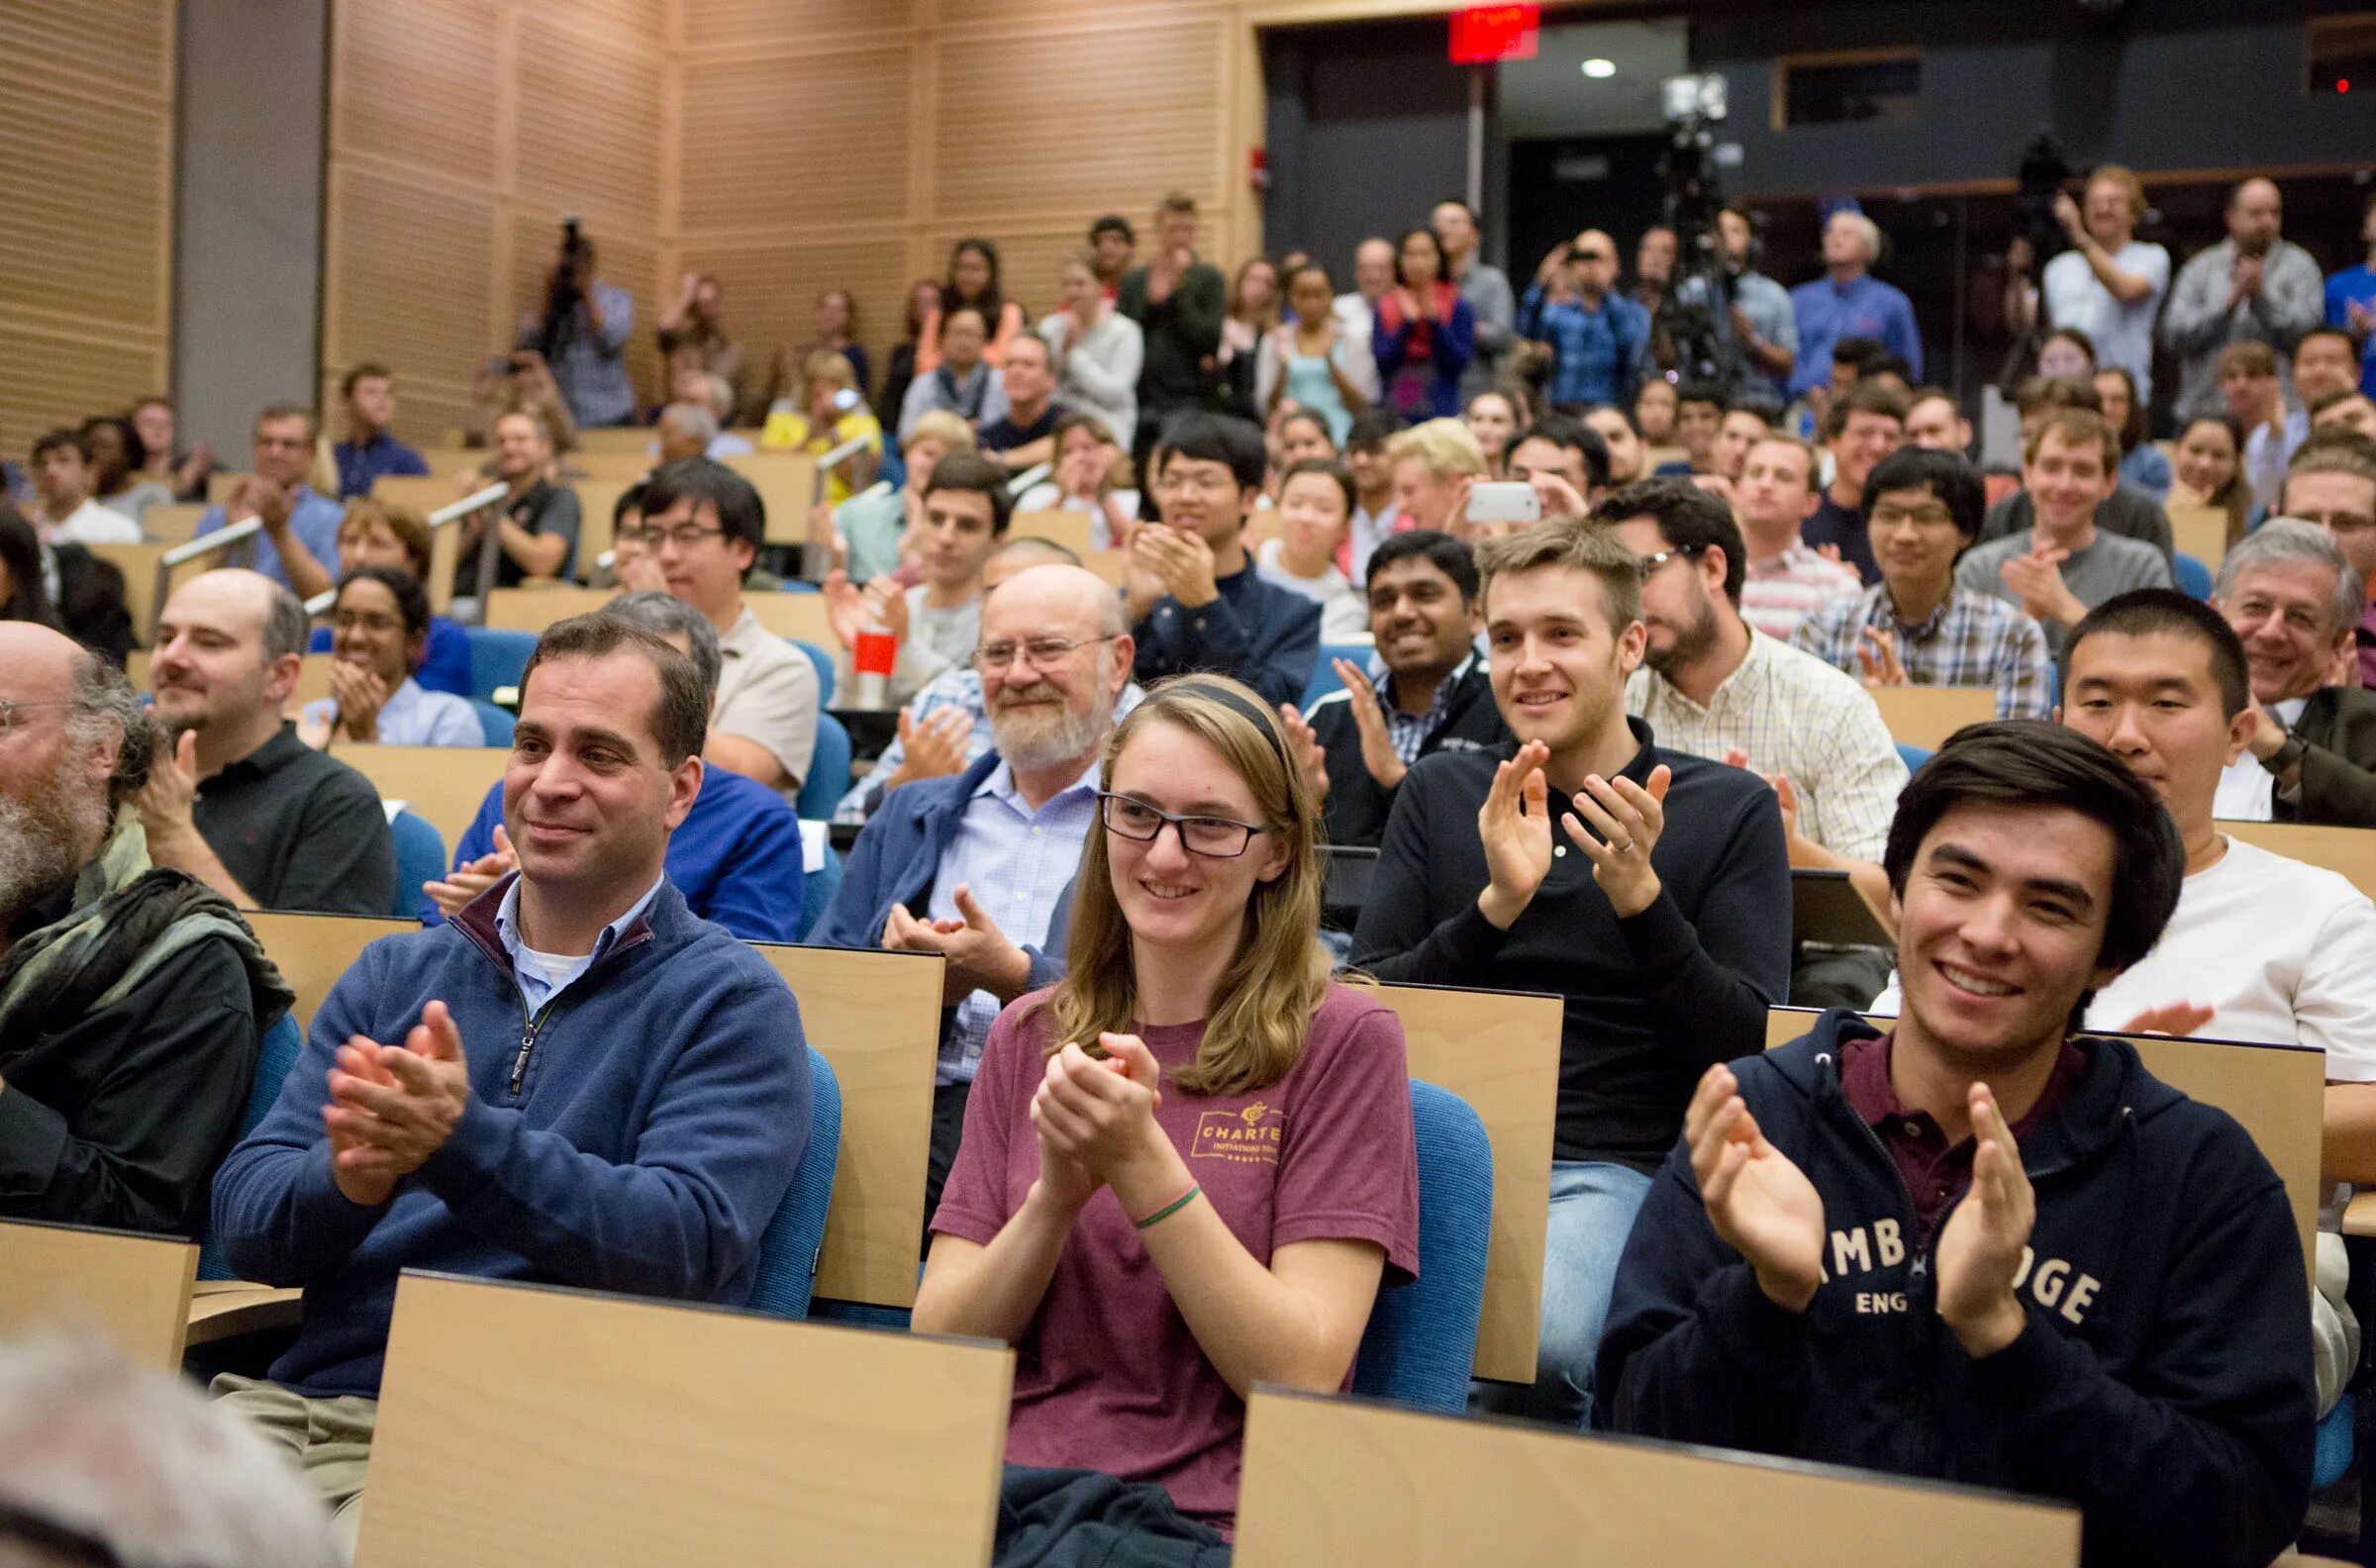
[(1970, 639), (1777, 594), (1793, 714)]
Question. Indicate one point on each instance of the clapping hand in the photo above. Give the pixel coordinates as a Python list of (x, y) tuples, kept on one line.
[(1180, 559), (1369, 718), (932, 746), (1629, 817), (360, 694), (978, 955), (392, 1106), (1877, 657), (1514, 826), (1305, 747), (2037, 580), (1758, 1203), (468, 880), (1101, 1115), (1980, 1249)]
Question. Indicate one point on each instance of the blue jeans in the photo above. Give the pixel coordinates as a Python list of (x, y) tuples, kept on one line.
[(1592, 1212)]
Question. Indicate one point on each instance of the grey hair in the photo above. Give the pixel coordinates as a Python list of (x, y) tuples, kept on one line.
[(688, 419), (666, 616), (285, 626), (106, 707), (1869, 230), (720, 394), (140, 1464), (2284, 539)]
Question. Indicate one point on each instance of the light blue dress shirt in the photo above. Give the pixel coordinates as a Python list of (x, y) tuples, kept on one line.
[(538, 986), (413, 716)]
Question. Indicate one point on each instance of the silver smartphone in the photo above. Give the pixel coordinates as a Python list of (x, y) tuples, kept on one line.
[(1509, 501)]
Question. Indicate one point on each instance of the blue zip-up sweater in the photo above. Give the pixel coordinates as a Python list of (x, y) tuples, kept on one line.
[(2163, 1383), (637, 1136), (897, 858), (1256, 633)]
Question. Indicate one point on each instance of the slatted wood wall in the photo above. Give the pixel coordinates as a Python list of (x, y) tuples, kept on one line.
[(785, 145), (86, 209), (460, 130)]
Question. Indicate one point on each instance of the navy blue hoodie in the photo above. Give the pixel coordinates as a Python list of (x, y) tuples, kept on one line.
[(2163, 1383), (635, 1137)]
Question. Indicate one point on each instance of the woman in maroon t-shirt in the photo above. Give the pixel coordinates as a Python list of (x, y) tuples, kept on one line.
[(1187, 1167)]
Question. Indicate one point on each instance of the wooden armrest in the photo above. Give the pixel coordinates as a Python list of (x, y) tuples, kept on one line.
[(234, 1308), (2359, 1216)]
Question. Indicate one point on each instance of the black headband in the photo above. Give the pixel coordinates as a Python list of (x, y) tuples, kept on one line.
[(1253, 712)]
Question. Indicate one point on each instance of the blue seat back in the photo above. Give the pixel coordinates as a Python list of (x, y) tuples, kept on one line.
[(494, 725), (1324, 669), (1422, 1338), (785, 1270), (420, 858), (281, 1046), (2194, 578), (497, 659), (1912, 756), (825, 669), (828, 771), (817, 891)]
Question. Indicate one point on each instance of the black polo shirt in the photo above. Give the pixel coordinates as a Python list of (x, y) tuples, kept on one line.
[(1006, 435), (299, 829)]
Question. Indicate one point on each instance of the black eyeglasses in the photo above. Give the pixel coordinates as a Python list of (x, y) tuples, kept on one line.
[(1214, 837), (686, 535), (1650, 564)]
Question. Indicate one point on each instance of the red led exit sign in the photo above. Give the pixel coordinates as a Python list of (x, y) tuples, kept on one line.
[(1483, 35)]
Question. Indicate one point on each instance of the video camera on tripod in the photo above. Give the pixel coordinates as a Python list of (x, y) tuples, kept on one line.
[(1697, 315)]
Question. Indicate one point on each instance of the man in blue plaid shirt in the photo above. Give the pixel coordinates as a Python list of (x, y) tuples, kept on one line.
[(1916, 626)]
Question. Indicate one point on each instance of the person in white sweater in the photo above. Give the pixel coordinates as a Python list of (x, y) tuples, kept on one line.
[(1098, 351)]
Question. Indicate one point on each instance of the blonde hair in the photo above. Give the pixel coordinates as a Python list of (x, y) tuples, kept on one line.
[(1445, 444), (410, 528), (952, 432), (827, 366), (1279, 975), (2130, 187)]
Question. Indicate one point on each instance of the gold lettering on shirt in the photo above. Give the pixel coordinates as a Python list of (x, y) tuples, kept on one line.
[(1248, 1135)]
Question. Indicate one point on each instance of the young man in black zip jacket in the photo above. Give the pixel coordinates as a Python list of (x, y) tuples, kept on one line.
[(1981, 1248), (1359, 743), (1650, 908)]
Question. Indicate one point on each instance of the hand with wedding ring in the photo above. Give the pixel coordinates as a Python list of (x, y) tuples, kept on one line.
[(1629, 820)]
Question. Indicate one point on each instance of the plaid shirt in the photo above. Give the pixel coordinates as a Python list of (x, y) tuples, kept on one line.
[(1409, 731), (1970, 639), (1776, 595), (1792, 714)]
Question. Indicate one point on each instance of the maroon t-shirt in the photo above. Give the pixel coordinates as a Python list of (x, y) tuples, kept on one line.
[(1109, 1375)]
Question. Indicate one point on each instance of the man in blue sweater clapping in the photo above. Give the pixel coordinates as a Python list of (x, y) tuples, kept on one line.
[(575, 1081)]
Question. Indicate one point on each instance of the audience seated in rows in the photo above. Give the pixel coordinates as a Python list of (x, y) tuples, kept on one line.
[(2064, 564), (1194, 602), (937, 621), (1092, 474), (368, 453), (1434, 692), (830, 414), (1658, 931), (117, 456), (1865, 424), (736, 858), (64, 509), (1974, 1247), (637, 1136), (379, 632), (167, 463), (2250, 287), (1315, 510), (702, 525), (1025, 435), (300, 540), (132, 999), (865, 533), (238, 800), (63, 587), (1097, 352), (1787, 580), (1917, 626), (944, 728), (2293, 599), (961, 382), (979, 866), (1154, 1271)]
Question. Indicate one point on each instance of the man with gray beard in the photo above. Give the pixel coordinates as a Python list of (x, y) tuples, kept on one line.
[(132, 998), (979, 866)]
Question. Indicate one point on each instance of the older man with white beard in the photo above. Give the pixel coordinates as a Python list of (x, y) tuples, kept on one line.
[(979, 866), (132, 999)]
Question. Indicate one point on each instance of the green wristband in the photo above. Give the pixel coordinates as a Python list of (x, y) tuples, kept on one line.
[(1169, 1209)]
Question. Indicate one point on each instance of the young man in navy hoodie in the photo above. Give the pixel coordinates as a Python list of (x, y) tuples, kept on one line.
[(1981, 1248), (575, 1081)]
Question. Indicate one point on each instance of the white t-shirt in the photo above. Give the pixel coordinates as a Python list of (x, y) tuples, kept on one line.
[(2122, 333), (2283, 953), (2247, 791), (1344, 616), (93, 524)]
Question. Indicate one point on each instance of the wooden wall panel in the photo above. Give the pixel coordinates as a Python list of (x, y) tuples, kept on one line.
[(86, 209), (417, 85), (590, 127), (783, 143), (771, 288), (396, 301), (742, 23)]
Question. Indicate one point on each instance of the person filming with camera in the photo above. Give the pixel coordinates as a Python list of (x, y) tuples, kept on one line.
[(582, 330)]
